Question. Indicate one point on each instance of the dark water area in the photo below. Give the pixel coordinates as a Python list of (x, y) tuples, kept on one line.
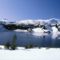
[(26, 38)]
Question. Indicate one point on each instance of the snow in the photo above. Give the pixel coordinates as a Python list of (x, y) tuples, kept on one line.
[(37, 21), (39, 30), (30, 54), (54, 29), (19, 30), (30, 21), (35, 30), (54, 32), (25, 22)]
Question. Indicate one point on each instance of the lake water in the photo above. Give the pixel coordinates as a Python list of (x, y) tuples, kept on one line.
[(35, 39)]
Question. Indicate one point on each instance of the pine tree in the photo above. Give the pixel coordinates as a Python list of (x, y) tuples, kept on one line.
[(13, 45)]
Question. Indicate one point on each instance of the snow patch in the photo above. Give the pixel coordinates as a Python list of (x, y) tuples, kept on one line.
[(37, 31), (19, 30), (54, 32)]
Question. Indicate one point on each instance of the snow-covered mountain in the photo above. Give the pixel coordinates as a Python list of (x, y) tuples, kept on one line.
[(39, 21), (26, 24), (30, 21)]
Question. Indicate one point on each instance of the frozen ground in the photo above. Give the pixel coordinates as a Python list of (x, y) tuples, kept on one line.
[(30, 54)]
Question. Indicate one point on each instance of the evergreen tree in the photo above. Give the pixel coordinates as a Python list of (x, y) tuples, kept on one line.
[(13, 45)]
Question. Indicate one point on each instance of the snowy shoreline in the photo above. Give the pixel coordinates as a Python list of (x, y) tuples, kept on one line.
[(30, 54)]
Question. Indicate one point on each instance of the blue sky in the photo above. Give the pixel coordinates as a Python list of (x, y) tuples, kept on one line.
[(29, 9)]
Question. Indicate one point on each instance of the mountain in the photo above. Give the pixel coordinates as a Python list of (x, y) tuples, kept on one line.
[(3, 21), (27, 24), (53, 21)]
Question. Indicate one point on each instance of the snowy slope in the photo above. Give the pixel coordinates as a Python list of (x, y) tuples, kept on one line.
[(30, 54)]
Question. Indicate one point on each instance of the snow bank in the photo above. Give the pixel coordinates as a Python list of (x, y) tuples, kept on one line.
[(30, 54)]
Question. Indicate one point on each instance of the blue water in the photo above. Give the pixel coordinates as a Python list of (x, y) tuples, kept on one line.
[(26, 38)]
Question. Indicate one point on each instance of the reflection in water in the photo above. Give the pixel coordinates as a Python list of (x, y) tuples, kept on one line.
[(54, 35), (26, 38)]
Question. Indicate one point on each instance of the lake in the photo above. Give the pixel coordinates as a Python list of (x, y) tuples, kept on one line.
[(36, 39)]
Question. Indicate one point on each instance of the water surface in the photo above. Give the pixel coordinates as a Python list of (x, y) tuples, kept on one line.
[(35, 39)]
